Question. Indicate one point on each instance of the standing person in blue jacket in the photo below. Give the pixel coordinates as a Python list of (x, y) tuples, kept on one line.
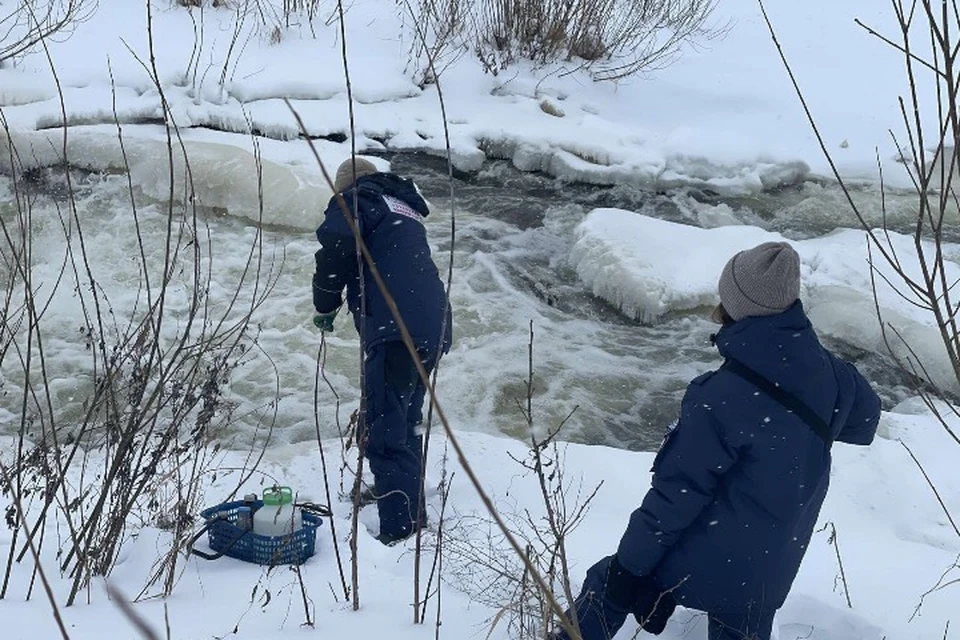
[(739, 480), (390, 213)]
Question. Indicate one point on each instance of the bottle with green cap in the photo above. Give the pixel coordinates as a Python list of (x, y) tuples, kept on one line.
[(278, 516)]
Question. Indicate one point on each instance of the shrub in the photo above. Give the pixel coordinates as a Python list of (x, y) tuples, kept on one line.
[(118, 431), (611, 38), (435, 32), (26, 23)]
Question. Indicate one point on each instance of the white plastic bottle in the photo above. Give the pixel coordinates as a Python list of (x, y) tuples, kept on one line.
[(278, 516)]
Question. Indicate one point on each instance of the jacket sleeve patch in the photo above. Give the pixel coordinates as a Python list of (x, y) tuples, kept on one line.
[(402, 208)]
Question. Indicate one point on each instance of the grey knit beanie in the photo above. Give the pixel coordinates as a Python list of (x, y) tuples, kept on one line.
[(345, 173), (761, 281)]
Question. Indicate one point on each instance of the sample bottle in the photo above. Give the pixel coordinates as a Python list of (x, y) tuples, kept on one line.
[(278, 516)]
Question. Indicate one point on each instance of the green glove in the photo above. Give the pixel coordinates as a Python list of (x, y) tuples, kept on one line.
[(324, 321)]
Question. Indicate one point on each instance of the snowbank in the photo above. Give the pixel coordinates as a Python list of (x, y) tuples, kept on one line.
[(723, 117), (222, 177)]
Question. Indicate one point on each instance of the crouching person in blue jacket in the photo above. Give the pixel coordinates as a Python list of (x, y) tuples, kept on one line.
[(739, 481), (390, 214)]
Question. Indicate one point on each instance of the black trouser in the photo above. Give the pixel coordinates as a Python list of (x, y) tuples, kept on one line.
[(395, 397), (600, 619)]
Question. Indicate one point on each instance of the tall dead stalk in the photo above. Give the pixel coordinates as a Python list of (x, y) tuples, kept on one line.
[(321, 375), (418, 614), (361, 426), (425, 379), (927, 146)]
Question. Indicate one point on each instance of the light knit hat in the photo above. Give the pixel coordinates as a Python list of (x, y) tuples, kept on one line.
[(346, 176), (761, 281)]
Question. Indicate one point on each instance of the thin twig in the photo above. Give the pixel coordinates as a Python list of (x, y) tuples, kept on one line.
[(816, 131), (134, 617), (443, 509), (832, 540), (443, 324), (941, 583), (308, 621), (321, 359), (933, 488), (896, 46), (21, 516), (353, 218)]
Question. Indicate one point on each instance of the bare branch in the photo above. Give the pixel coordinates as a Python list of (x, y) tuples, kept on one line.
[(933, 488)]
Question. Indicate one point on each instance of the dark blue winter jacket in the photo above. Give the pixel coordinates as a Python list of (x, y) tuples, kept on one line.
[(390, 214), (739, 481)]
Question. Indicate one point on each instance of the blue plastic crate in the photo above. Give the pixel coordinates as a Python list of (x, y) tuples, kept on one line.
[(224, 536)]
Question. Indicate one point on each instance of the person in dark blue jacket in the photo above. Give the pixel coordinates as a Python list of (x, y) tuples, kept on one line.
[(390, 215), (739, 480)]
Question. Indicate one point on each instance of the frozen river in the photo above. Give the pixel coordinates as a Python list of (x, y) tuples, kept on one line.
[(514, 234)]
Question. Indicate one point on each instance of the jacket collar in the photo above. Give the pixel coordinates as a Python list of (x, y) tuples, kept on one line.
[(390, 184), (773, 345)]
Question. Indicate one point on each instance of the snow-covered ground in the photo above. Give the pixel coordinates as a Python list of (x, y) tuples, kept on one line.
[(723, 117), (893, 538)]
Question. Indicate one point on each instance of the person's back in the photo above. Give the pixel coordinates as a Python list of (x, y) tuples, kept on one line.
[(771, 469), (389, 213), (739, 481)]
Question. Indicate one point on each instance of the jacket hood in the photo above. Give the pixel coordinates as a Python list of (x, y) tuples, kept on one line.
[(784, 348), (390, 184)]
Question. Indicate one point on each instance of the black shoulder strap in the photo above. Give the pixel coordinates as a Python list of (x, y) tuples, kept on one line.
[(787, 399)]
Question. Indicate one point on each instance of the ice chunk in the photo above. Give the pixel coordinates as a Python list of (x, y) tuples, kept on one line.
[(646, 267), (840, 302)]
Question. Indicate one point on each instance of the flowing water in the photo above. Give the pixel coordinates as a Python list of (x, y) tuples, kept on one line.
[(609, 379)]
